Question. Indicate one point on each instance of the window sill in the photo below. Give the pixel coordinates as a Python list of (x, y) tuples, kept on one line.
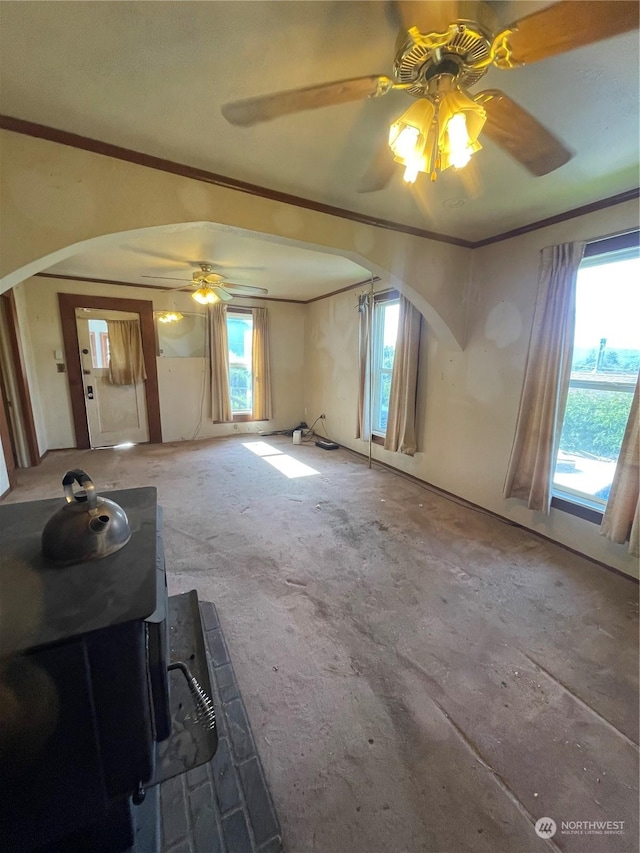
[(580, 510), (377, 439)]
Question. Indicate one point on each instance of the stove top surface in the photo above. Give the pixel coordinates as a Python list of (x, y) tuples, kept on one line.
[(42, 604)]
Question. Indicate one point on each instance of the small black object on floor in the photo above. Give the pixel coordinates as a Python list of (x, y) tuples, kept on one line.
[(223, 806), (325, 444)]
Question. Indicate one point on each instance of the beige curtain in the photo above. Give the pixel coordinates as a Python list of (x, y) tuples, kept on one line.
[(401, 424), (364, 330), (621, 517), (126, 359), (219, 361), (261, 366), (546, 379)]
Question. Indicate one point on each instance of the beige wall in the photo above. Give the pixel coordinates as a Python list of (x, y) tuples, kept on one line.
[(54, 197), (468, 400), (180, 380)]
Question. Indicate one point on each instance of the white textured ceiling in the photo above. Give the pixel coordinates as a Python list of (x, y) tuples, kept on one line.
[(287, 272), (152, 76)]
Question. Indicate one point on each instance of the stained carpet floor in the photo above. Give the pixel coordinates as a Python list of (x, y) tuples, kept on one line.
[(419, 676)]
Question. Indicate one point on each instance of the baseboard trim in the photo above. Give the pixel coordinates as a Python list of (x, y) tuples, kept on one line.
[(470, 505)]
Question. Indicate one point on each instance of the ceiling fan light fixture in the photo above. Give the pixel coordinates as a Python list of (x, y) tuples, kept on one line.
[(460, 123), (409, 138), (458, 143), (206, 295), (436, 133)]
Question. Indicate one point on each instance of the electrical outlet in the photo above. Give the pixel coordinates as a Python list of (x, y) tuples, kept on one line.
[(235, 426), (322, 417)]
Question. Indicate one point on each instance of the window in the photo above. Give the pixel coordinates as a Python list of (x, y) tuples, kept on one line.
[(604, 371), (99, 343), (240, 335), (385, 331)]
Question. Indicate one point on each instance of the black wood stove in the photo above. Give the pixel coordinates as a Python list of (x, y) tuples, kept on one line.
[(104, 687)]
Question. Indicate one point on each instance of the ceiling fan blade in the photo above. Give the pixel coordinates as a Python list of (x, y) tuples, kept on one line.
[(211, 278), (184, 289), (563, 27), (520, 134), (222, 293), (267, 107), (245, 288), (380, 171), (166, 278), (149, 253)]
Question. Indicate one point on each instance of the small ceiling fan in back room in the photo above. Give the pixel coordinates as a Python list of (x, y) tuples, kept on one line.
[(210, 287), (444, 49)]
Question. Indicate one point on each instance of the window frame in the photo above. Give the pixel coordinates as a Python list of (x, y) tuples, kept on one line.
[(564, 498), (240, 417), (380, 300)]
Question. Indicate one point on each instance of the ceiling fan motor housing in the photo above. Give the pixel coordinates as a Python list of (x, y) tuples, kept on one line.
[(464, 53), (206, 276)]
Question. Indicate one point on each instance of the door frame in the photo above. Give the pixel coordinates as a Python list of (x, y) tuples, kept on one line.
[(68, 302), (7, 446), (28, 426)]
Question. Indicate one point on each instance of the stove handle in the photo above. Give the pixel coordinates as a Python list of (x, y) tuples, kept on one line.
[(205, 711)]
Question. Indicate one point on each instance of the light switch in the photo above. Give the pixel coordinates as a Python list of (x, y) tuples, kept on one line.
[(57, 354)]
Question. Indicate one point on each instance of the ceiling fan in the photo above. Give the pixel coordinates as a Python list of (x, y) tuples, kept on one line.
[(211, 287), (443, 50)]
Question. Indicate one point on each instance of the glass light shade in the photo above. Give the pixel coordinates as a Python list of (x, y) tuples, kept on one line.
[(409, 138), (435, 134), (460, 121), (458, 140), (206, 296), (405, 144)]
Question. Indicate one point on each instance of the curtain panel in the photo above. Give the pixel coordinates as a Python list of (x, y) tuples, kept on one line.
[(219, 364), (621, 518), (546, 378), (261, 366), (401, 423), (365, 306), (126, 359)]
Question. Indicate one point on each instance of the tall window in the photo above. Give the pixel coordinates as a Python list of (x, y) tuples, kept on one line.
[(606, 360), (385, 331), (240, 334)]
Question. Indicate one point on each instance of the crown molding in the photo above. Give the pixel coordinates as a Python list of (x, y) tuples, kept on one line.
[(86, 279), (63, 137), (611, 201), (106, 149)]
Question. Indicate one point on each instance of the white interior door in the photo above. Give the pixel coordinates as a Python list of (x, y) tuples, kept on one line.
[(116, 414)]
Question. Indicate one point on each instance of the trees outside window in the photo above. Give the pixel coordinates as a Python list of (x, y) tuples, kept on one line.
[(385, 331), (240, 335), (604, 371)]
